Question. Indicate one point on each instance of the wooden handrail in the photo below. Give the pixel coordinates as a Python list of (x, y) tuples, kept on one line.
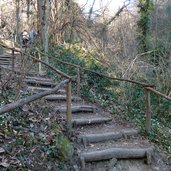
[(147, 88), (21, 102), (68, 85), (38, 60), (120, 79), (58, 60), (85, 69), (158, 93)]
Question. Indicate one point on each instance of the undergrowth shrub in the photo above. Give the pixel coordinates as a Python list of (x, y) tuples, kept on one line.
[(1, 50), (117, 96)]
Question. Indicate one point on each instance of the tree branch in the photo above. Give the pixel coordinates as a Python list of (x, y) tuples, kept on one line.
[(21, 102)]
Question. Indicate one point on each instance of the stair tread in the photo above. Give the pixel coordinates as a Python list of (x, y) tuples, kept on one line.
[(116, 152), (77, 108), (104, 136), (38, 88), (118, 146), (40, 82), (34, 88), (39, 78), (60, 97), (85, 121)]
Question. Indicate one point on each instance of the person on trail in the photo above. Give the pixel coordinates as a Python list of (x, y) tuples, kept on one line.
[(32, 35), (25, 38)]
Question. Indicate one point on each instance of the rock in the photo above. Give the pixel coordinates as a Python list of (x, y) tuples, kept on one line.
[(76, 168), (112, 162)]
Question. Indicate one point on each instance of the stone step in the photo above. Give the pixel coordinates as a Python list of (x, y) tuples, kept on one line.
[(61, 98), (100, 137), (83, 121), (40, 89), (117, 153), (77, 109), (40, 83)]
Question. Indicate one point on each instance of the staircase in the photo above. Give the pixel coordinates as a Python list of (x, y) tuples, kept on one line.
[(102, 142)]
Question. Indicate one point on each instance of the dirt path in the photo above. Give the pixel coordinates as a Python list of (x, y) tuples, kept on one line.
[(108, 143)]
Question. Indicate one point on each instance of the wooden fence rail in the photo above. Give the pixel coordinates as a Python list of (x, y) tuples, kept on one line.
[(148, 88), (16, 104)]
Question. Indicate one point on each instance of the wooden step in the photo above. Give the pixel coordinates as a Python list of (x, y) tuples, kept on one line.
[(61, 98), (40, 89), (40, 83), (5, 63), (100, 137), (17, 71), (5, 59), (83, 121), (78, 109), (39, 79), (5, 56), (118, 153)]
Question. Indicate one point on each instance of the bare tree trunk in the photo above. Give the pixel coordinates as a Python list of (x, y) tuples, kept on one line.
[(46, 31), (43, 24), (17, 20)]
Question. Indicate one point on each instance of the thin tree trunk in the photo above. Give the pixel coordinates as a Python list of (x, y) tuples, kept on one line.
[(17, 20), (43, 24), (28, 11), (46, 31)]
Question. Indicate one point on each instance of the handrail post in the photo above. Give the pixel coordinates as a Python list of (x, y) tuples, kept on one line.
[(0, 73), (148, 110), (78, 81), (13, 60), (68, 103)]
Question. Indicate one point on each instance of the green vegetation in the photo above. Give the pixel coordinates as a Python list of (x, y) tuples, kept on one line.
[(145, 10), (117, 96)]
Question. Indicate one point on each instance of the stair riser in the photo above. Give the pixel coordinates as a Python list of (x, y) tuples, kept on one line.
[(62, 100), (88, 122), (40, 85), (118, 153), (38, 90), (94, 138)]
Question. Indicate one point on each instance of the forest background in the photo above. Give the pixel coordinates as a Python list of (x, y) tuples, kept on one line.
[(133, 43)]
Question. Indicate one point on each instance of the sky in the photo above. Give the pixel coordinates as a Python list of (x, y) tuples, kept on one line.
[(112, 5)]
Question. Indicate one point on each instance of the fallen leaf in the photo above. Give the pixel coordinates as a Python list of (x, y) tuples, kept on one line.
[(4, 163), (32, 119), (2, 150), (32, 151), (25, 108)]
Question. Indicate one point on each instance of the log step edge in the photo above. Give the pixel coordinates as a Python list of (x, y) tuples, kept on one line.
[(80, 122), (118, 153), (99, 137)]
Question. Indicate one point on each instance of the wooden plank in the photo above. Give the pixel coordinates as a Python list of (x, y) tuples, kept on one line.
[(148, 110), (68, 105), (83, 121), (21, 102), (104, 136), (119, 153)]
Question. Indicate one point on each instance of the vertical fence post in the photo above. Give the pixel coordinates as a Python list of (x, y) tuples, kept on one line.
[(78, 81), (39, 64), (0, 73), (13, 60), (148, 110), (68, 103)]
